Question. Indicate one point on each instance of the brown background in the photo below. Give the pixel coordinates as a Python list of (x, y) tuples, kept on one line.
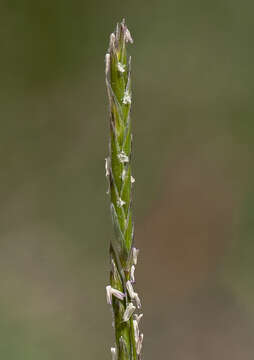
[(193, 163)]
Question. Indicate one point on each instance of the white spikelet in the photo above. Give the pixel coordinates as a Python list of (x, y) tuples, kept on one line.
[(132, 180)]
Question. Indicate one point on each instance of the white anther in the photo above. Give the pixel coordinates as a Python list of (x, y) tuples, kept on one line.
[(128, 37), (109, 294), (136, 331), (123, 158), (135, 253), (128, 312), (132, 180), (107, 63), (111, 291), (107, 172), (118, 294), (113, 353), (117, 31), (121, 67), (132, 276), (130, 289), (138, 317), (120, 202), (123, 174), (126, 98), (139, 343), (137, 299), (112, 41), (133, 294)]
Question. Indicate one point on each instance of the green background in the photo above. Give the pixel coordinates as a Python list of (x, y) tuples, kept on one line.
[(193, 130)]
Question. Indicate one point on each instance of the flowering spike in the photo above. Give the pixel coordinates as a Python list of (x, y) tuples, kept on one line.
[(120, 292)]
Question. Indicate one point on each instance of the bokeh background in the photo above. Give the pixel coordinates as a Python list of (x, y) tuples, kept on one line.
[(193, 113)]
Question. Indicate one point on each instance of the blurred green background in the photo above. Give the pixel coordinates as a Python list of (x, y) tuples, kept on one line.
[(193, 112)]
